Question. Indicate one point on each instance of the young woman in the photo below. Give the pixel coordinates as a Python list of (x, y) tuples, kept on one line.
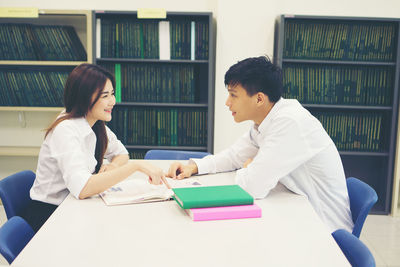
[(71, 156)]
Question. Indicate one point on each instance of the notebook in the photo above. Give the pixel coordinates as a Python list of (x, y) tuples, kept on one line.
[(212, 196), (225, 213), (133, 191)]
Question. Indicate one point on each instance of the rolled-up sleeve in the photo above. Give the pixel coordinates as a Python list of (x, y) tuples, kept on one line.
[(114, 147), (71, 158)]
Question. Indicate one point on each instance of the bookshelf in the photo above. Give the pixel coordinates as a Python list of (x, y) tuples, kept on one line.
[(36, 56), (164, 71), (345, 71)]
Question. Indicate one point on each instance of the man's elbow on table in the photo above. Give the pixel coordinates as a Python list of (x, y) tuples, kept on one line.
[(251, 186)]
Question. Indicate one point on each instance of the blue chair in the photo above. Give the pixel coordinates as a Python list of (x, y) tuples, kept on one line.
[(174, 154), (362, 198), (14, 235), (14, 192), (356, 252)]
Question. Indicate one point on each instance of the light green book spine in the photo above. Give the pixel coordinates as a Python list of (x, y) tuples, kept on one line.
[(118, 83)]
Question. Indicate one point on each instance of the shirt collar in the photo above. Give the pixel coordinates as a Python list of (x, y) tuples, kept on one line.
[(83, 126), (263, 125)]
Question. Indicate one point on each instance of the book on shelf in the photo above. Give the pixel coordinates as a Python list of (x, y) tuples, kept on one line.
[(212, 196), (132, 191), (192, 40), (225, 213), (98, 38), (164, 40), (118, 83)]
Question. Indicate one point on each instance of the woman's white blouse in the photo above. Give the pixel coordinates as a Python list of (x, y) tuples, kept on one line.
[(67, 160)]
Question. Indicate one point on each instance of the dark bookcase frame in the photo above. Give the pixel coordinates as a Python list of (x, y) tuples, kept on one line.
[(204, 81), (374, 167)]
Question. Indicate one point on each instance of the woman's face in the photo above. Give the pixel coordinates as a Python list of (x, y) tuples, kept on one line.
[(102, 109)]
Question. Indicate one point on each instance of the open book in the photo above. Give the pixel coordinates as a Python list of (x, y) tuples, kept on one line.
[(133, 191)]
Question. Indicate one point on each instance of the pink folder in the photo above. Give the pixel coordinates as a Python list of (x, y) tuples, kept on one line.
[(224, 213)]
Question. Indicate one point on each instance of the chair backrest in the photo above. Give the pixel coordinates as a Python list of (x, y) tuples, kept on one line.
[(362, 198), (14, 192), (174, 154), (356, 252), (14, 235)]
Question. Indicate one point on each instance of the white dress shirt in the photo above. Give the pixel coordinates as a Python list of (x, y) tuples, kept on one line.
[(290, 146), (66, 160)]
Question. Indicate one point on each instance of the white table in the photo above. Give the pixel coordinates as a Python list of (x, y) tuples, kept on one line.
[(89, 233)]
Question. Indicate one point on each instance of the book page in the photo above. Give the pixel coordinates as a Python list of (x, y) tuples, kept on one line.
[(190, 182), (132, 191)]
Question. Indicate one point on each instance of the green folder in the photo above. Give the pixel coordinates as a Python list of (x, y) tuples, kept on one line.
[(212, 196)]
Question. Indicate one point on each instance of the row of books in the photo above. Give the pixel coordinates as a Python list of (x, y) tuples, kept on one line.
[(339, 85), (354, 132), (152, 39), (137, 153), (160, 83), (344, 41), (32, 88), (158, 126), (40, 42)]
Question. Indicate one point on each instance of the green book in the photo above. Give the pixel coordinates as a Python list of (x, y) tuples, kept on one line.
[(118, 83), (212, 196)]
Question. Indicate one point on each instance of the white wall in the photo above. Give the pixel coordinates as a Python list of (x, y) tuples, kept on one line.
[(244, 29), (169, 5)]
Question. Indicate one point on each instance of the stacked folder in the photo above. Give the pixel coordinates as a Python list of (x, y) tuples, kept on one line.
[(216, 202)]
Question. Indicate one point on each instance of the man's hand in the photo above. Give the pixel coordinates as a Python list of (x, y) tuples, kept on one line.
[(247, 163), (179, 171)]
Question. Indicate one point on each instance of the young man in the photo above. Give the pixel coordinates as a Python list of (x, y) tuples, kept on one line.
[(286, 144)]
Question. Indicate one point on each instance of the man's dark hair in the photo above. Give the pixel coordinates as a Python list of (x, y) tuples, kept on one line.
[(256, 74)]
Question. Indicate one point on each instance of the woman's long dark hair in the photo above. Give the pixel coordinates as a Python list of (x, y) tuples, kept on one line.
[(83, 82)]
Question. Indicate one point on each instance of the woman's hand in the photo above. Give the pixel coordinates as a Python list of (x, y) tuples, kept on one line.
[(156, 174)]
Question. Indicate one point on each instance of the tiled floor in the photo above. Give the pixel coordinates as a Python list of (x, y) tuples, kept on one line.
[(380, 233)]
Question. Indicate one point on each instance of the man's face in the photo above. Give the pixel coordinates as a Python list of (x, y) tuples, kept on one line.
[(242, 106)]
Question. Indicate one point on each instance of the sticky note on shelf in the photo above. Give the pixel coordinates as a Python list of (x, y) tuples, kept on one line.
[(151, 13), (19, 12)]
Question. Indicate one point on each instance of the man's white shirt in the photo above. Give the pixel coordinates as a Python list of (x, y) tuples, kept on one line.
[(290, 146)]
